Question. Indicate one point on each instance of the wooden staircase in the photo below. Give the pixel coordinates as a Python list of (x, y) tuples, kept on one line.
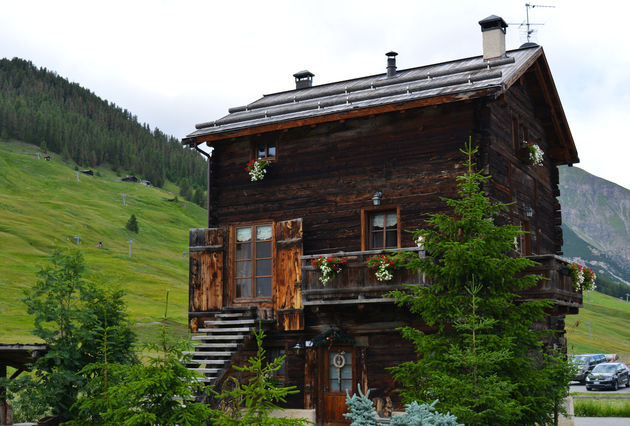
[(215, 345)]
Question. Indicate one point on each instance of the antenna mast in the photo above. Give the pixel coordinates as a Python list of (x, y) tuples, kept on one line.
[(528, 24)]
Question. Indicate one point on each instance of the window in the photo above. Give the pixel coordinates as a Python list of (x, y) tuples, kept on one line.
[(266, 150), (281, 373), (525, 240), (383, 230), (340, 372), (254, 264)]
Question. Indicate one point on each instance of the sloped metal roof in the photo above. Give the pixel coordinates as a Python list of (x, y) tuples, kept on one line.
[(464, 76)]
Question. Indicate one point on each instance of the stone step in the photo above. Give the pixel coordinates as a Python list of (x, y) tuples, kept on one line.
[(206, 370), (230, 322), (208, 353), (224, 330), (230, 315), (208, 361), (224, 345), (222, 337)]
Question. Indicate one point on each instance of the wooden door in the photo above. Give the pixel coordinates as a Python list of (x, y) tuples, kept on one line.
[(338, 376)]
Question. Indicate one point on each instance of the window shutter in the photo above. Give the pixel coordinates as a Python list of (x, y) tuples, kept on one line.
[(288, 272), (205, 270)]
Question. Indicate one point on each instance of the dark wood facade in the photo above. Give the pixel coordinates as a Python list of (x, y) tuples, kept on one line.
[(316, 199)]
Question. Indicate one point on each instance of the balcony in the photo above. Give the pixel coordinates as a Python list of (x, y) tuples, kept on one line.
[(357, 283), (558, 287)]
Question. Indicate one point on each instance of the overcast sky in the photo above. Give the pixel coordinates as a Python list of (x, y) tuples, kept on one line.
[(178, 63)]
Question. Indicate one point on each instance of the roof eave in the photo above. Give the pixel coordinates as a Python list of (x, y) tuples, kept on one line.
[(344, 115)]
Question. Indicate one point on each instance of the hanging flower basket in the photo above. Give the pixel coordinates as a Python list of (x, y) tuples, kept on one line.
[(257, 169), (583, 278), (329, 267), (384, 265), (534, 153)]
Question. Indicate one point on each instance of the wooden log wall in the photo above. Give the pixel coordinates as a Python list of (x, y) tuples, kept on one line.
[(326, 174), (514, 179), (378, 346)]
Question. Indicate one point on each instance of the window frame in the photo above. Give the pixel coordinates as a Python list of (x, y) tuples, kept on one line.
[(256, 148), (366, 226), (233, 262)]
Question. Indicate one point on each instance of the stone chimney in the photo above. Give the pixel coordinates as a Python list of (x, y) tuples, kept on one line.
[(303, 79), (391, 63), (493, 33)]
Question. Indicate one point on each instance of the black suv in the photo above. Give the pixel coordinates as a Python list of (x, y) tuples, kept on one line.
[(585, 363)]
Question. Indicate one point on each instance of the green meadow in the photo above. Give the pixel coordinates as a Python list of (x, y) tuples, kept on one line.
[(43, 206), (610, 326)]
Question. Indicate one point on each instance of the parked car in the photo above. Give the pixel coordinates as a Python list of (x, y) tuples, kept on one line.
[(585, 363), (608, 375)]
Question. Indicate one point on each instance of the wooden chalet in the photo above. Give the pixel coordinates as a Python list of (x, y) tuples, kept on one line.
[(353, 164)]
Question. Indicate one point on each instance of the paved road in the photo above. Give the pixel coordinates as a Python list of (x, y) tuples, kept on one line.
[(575, 387), (601, 421)]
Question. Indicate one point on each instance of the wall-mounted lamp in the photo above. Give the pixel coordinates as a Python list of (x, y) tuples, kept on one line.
[(302, 345), (529, 212), (298, 347), (376, 199)]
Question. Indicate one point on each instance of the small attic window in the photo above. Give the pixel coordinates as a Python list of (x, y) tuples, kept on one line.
[(266, 150)]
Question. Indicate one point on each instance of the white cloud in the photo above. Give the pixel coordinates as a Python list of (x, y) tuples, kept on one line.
[(177, 63)]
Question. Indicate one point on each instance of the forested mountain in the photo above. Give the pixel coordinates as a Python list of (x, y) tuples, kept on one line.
[(39, 107)]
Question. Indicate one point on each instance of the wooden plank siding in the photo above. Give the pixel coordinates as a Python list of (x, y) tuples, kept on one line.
[(514, 179), (382, 346), (327, 174)]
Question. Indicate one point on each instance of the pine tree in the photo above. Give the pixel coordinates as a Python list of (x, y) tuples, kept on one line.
[(71, 315), (132, 224), (259, 396), (482, 359)]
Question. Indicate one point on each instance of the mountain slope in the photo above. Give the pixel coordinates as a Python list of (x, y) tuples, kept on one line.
[(43, 207), (37, 106), (596, 223)]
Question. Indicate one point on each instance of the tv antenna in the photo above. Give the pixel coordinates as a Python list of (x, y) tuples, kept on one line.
[(528, 25)]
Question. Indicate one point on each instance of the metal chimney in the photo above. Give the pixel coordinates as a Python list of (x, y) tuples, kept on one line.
[(391, 63), (493, 33), (303, 79)]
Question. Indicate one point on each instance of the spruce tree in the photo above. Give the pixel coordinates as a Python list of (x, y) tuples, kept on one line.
[(132, 224), (72, 316), (482, 358)]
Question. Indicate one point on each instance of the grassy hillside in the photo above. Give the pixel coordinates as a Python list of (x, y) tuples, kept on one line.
[(609, 318), (43, 206)]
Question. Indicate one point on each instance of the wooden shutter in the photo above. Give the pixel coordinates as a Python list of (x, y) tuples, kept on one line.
[(288, 272), (205, 270)]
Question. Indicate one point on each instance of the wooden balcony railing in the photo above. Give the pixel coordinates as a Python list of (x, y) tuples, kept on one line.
[(357, 283), (558, 287)]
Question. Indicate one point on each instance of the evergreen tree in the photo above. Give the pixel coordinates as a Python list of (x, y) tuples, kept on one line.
[(71, 315), (482, 360), (259, 396), (132, 224), (160, 391)]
